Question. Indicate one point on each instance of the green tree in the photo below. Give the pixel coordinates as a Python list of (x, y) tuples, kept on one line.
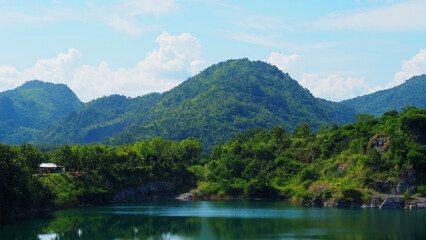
[(303, 130)]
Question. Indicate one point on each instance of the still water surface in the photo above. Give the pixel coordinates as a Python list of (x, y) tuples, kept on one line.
[(220, 220)]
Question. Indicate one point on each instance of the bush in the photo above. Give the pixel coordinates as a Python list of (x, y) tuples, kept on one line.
[(421, 189), (309, 173), (327, 193), (352, 194), (256, 188), (302, 195), (198, 171)]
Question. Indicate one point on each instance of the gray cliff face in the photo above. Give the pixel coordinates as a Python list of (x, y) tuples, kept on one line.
[(393, 203), (407, 183), (150, 191)]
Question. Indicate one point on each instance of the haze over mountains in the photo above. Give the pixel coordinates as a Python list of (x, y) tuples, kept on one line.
[(214, 106)]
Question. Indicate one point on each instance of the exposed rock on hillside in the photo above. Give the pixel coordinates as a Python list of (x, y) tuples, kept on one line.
[(151, 191), (393, 203), (380, 142)]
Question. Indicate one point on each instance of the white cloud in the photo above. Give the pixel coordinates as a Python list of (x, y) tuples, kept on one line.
[(10, 77), (413, 67), (176, 58), (56, 70), (405, 16), (334, 87), (283, 62), (122, 25)]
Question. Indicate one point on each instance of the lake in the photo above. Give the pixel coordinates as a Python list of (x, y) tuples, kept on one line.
[(220, 220)]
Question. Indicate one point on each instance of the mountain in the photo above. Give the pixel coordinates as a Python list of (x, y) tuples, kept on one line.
[(412, 92), (216, 105), (31, 107), (342, 114), (98, 119)]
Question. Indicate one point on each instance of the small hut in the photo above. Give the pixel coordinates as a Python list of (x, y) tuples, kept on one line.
[(51, 168)]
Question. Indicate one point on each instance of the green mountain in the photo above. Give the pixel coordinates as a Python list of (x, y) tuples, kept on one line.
[(410, 93), (98, 119), (213, 106), (31, 107)]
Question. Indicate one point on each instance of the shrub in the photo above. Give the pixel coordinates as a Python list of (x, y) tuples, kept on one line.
[(256, 188), (327, 193), (352, 194), (309, 173), (421, 189), (198, 171), (302, 195)]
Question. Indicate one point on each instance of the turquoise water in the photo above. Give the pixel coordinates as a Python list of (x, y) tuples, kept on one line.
[(220, 220)]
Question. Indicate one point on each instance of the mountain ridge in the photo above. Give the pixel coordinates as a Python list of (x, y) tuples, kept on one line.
[(215, 105), (411, 92)]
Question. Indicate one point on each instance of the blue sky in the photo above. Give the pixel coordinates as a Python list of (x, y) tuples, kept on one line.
[(336, 49)]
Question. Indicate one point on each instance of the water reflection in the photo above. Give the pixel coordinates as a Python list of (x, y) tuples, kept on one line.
[(220, 220)]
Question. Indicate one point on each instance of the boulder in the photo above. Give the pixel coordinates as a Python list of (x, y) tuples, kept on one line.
[(371, 205), (185, 196), (418, 205)]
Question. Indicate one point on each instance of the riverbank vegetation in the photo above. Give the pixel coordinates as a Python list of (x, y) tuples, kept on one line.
[(350, 162), (94, 173), (385, 155)]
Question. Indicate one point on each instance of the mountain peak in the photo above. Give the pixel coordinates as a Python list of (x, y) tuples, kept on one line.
[(33, 106), (41, 84)]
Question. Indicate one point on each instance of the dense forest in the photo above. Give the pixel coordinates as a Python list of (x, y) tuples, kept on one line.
[(94, 173), (349, 162), (239, 129), (213, 106)]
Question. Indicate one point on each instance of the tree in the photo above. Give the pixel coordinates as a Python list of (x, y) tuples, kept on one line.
[(66, 159), (363, 117), (303, 130)]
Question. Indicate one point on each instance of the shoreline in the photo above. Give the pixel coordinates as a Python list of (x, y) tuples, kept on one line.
[(376, 201)]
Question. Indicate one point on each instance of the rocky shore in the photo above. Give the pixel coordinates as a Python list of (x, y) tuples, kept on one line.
[(376, 201)]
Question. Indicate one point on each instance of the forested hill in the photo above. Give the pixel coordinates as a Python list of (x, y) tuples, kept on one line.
[(412, 92), (213, 106), (33, 106), (98, 119)]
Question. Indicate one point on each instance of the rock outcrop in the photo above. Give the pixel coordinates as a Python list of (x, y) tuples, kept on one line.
[(185, 196), (407, 183), (393, 203), (379, 142), (371, 205), (150, 191), (316, 202)]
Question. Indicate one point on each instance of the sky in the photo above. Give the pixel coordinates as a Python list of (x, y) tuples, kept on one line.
[(337, 49)]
